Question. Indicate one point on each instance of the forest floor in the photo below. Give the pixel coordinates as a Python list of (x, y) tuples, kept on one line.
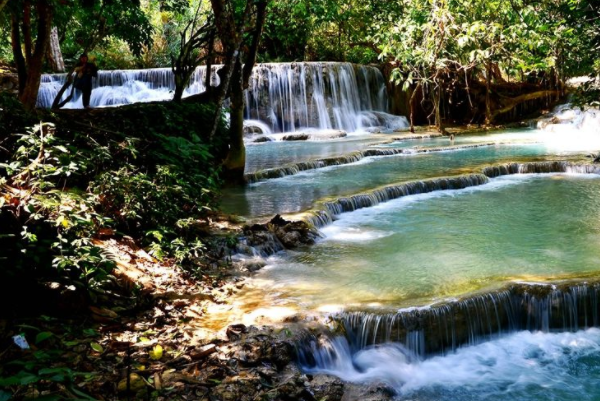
[(161, 349), (175, 338)]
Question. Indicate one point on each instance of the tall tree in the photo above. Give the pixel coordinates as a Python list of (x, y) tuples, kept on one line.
[(53, 53), (235, 162), (28, 18)]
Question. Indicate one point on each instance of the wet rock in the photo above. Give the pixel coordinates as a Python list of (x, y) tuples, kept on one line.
[(258, 239), (262, 139), (293, 234), (296, 137), (327, 386), (291, 239), (254, 265), (252, 130)]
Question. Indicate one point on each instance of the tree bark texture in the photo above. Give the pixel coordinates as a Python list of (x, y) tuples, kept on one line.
[(29, 66), (54, 54), (235, 161)]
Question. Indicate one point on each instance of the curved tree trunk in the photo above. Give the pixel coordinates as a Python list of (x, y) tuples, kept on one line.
[(510, 103)]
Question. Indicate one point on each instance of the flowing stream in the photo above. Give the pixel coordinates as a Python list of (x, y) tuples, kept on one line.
[(457, 270), (454, 270)]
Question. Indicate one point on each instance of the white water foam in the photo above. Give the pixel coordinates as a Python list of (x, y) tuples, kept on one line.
[(572, 129), (520, 362)]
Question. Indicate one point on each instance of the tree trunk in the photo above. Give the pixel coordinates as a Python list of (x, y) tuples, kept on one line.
[(15, 36), (231, 35), (54, 54), (488, 81), (180, 85), (261, 14), (235, 162), (57, 104), (411, 103), (29, 67), (437, 105), (2, 4)]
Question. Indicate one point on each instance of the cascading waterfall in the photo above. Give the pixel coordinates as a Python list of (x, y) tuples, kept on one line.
[(293, 96), (286, 97), (348, 204), (540, 168), (571, 128), (119, 87), (434, 330), (353, 157), (325, 216)]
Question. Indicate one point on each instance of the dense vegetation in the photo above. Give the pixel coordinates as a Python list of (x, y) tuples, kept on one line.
[(66, 184)]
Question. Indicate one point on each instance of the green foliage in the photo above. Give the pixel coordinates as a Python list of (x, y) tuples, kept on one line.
[(13, 117), (60, 190), (101, 24), (48, 366), (56, 225), (587, 95)]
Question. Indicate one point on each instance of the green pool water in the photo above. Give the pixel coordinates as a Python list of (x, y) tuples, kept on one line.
[(274, 154), (299, 192), (429, 248), (423, 248)]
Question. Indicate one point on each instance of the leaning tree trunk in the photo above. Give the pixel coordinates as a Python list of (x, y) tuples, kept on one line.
[(54, 54), (411, 104)]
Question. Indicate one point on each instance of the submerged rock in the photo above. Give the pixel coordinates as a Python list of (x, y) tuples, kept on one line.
[(262, 139)]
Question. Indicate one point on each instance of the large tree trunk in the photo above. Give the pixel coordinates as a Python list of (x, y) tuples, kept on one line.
[(15, 36), (235, 162), (29, 66), (54, 54), (231, 35)]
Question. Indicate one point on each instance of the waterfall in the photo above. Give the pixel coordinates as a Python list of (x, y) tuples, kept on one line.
[(540, 168), (369, 199), (441, 329), (119, 87), (323, 95), (292, 169), (325, 216), (572, 128), (284, 96)]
